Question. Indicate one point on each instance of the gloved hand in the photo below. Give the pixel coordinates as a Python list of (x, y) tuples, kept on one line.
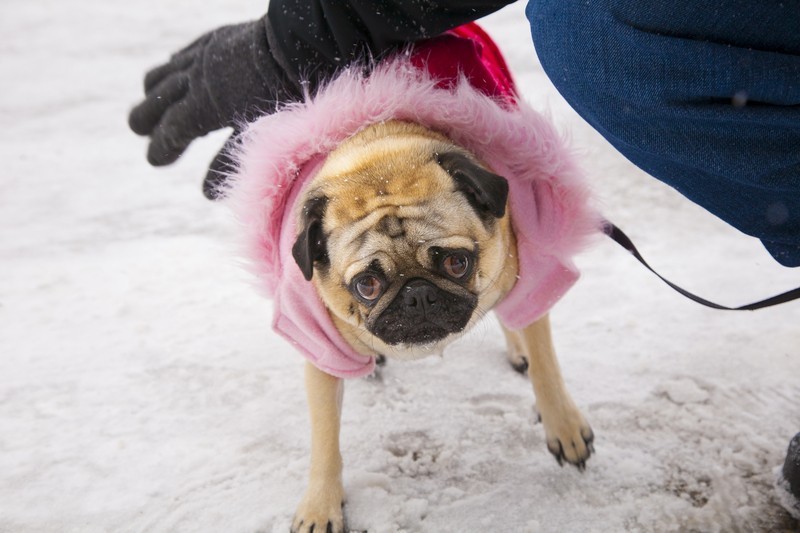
[(225, 78), (235, 73)]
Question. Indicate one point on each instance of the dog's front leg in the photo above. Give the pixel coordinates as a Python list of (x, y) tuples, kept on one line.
[(320, 510), (569, 437)]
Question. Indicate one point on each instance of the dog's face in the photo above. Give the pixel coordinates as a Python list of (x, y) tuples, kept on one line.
[(406, 239)]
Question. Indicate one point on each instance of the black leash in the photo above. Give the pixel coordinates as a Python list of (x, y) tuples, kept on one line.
[(623, 240)]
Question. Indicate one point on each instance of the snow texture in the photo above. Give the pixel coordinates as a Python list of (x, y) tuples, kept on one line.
[(141, 389)]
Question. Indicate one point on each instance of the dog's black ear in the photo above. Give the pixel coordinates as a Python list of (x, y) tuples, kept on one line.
[(310, 246), (486, 192)]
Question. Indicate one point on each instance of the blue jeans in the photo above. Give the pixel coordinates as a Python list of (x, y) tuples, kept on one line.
[(704, 96)]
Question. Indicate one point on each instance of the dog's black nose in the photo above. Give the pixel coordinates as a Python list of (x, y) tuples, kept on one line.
[(420, 297)]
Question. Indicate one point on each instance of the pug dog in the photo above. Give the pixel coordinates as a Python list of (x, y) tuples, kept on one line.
[(407, 239)]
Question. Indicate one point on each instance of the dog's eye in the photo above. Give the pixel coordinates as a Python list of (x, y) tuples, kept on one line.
[(368, 287), (456, 265)]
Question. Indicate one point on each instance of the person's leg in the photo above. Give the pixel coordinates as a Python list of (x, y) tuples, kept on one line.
[(704, 96)]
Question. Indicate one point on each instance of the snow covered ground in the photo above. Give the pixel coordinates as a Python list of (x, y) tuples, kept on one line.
[(142, 390)]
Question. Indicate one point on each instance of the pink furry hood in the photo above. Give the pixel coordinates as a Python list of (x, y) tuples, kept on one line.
[(278, 154)]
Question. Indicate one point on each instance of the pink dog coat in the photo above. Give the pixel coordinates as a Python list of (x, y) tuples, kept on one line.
[(457, 84)]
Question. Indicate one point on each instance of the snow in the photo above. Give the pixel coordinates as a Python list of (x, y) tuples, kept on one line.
[(142, 390)]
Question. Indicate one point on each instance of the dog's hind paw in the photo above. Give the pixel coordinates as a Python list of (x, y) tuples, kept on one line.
[(519, 363)]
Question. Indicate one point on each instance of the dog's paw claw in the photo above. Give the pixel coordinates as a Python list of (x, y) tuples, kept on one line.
[(329, 528), (588, 438), (519, 364), (557, 451)]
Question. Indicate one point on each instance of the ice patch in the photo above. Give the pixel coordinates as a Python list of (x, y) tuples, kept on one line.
[(684, 391)]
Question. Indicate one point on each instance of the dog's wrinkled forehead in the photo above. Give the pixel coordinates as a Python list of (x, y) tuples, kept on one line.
[(380, 179), (392, 209)]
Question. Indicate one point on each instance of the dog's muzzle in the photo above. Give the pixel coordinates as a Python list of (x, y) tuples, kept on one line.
[(423, 313)]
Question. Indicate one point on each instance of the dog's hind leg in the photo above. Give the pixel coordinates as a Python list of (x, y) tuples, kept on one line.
[(321, 507), (569, 437), (516, 351)]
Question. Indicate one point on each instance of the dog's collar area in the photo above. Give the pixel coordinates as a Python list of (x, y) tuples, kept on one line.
[(618, 236)]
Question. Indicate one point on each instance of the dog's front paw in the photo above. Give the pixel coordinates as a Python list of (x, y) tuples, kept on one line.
[(569, 437), (320, 511)]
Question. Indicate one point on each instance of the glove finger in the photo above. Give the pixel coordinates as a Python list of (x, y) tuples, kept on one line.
[(178, 63), (168, 140), (146, 116), (164, 149), (218, 171)]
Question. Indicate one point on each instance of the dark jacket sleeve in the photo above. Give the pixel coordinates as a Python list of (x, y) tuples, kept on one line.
[(310, 40)]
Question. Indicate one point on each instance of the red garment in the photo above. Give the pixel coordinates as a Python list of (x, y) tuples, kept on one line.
[(469, 51)]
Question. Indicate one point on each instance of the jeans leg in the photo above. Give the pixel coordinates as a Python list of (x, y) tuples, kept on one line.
[(704, 96)]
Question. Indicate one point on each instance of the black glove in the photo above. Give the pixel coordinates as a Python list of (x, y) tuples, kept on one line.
[(225, 78), (233, 74)]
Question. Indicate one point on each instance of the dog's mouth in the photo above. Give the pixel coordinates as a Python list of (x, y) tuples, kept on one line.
[(422, 313)]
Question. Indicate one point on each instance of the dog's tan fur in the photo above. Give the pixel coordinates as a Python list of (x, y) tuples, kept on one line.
[(389, 201)]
